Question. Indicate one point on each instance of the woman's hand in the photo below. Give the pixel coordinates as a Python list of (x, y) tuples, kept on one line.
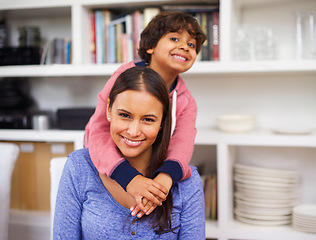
[(143, 205), (141, 187)]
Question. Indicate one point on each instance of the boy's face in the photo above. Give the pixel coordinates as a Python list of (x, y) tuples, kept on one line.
[(175, 53)]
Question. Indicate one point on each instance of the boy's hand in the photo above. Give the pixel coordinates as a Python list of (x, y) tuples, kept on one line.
[(141, 187), (165, 180)]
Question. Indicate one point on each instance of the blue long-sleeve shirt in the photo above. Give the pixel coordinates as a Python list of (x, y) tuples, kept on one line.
[(86, 210)]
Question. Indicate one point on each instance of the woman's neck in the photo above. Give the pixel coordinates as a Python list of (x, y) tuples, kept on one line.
[(141, 162)]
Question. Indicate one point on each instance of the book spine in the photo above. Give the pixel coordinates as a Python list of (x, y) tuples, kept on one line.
[(136, 19), (111, 58), (118, 38), (129, 38), (205, 46), (92, 38), (210, 35), (216, 36)]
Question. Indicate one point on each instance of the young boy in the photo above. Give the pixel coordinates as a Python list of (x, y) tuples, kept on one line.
[(169, 45)]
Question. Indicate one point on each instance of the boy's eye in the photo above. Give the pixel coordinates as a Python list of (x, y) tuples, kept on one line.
[(192, 45), (174, 39)]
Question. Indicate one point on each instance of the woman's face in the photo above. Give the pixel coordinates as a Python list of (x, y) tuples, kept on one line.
[(135, 118)]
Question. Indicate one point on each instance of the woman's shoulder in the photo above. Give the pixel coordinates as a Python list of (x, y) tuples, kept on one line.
[(80, 159), (195, 177), (190, 188)]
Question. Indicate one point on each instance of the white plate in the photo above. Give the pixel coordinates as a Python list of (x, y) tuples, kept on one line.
[(304, 229), (265, 211), (263, 222), (269, 194), (256, 199), (264, 183), (304, 223), (302, 219), (264, 205), (295, 130), (306, 210), (264, 188), (262, 217), (265, 171), (265, 178)]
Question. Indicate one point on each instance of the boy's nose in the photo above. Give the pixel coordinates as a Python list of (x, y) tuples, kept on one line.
[(134, 129), (183, 46)]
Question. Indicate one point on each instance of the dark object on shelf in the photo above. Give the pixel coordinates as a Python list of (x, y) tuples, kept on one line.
[(3, 34), (15, 120), (14, 94), (29, 36), (19, 56), (73, 118)]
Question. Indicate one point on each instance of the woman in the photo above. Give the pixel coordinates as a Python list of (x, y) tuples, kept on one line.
[(93, 206)]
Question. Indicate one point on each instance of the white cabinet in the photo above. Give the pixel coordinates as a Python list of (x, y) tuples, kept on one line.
[(279, 92)]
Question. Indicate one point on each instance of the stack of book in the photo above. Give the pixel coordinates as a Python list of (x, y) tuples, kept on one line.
[(57, 51), (114, 38), (210, 194)]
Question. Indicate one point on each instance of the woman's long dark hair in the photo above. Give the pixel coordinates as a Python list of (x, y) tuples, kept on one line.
[(146, 79)]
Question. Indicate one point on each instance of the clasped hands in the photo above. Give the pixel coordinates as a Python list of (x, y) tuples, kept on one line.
[(148, 193)]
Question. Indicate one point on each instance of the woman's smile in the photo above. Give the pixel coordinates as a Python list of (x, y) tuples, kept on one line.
[(132, 143)]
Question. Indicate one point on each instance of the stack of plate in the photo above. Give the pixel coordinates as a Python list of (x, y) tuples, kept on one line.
[(265, 196), (304, 218)]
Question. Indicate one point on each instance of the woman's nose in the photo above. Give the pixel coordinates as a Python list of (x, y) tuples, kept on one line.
[(134, 129)]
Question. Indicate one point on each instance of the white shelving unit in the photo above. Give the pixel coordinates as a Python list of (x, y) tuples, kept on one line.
[(278, 92)]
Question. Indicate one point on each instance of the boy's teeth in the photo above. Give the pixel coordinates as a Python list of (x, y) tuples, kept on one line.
[(182, 58)]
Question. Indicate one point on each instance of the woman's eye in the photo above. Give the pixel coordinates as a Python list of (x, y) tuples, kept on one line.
[(148, 120), (124, 115)]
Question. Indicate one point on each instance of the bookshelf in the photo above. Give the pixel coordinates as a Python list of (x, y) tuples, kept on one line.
[(277, 91)]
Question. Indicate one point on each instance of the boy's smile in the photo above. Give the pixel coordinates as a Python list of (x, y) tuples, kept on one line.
[(175, 53)]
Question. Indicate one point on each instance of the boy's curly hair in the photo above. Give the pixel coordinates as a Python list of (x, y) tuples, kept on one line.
[(164, 23)]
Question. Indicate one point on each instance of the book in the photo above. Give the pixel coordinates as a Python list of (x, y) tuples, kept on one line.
[(114, 32), (129, 38), (99, 32), (137, 27), (191, 8), (209, 183), (118, 39), (108, 15), (149, 13), (209, 35), (205, 47), (92, 38), (215, 38)]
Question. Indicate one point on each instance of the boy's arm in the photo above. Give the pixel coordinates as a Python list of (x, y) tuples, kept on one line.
[(103, 151), (182, 141)]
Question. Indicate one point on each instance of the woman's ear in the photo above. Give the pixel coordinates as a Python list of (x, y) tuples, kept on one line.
[(108, 110), (150, 51)]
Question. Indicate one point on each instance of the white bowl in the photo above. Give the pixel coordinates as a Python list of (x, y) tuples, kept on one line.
[(236, 123)]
